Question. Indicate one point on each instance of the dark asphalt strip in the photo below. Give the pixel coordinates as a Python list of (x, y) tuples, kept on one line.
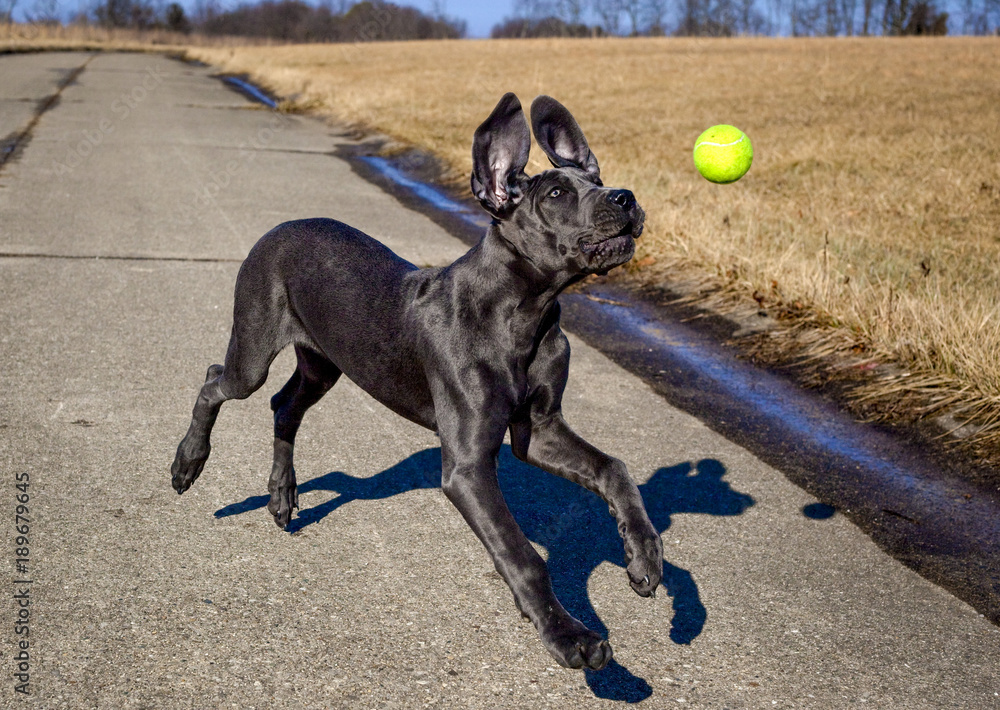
[(119, 257), (14, 144), (907, 500)]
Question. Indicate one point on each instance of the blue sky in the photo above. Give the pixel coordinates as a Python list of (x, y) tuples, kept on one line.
[(480, 15)]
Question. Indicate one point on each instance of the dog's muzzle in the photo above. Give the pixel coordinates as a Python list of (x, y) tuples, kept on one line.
[(624, 222)]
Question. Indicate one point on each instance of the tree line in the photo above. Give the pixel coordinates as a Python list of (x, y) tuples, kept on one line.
[(727, 18), (371, 20), (285, 20)]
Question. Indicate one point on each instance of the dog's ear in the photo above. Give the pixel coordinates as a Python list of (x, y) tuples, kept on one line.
[(499, 154), (559, 135)]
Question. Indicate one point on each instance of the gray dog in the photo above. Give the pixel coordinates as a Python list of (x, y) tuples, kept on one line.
[(470, 350)]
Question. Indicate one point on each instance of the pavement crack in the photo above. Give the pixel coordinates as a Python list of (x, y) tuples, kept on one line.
[(13, 144), (895, 514), (120, 257)]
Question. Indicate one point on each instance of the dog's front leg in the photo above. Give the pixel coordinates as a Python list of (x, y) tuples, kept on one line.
[(550, 444), (469, 480)]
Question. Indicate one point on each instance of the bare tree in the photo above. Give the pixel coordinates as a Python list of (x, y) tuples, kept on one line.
[(708, 18), (775, 11), (692, 17), (206, 10), (723, 19), (807, 18), (848, 8), (634, 11), (832, 18), (610, 12), (894, 17), (654, 11), (7, 10), (44, 11), (176, 18), (571, 11), (982, 19), (750, 20), (992, 12), (868, 9), (967, 15), (535, 9)]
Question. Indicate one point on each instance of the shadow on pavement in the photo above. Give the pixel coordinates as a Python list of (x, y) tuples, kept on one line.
[(570, 522)]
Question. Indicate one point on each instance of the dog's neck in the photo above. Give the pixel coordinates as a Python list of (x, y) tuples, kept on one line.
[(505, 281), (499, 262)]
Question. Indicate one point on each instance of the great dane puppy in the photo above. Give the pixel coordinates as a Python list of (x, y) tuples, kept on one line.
[(470, 350)]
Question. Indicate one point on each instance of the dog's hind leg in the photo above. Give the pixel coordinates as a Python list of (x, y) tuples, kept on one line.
[(313, 378), (194, 447), (253, 345)]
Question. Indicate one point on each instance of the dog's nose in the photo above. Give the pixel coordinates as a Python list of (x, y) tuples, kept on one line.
[(623, 198)]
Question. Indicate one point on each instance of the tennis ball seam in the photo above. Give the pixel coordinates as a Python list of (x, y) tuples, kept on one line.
[(721, 145)]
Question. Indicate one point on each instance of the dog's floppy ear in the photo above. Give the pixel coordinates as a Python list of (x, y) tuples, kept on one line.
[(559, 135), (499, 154)]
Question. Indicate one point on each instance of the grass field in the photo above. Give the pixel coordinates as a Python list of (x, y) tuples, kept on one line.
[(37, 37), (869, 224)]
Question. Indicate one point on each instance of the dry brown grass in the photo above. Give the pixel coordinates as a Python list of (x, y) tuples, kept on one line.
[(38, 37), (869, 223)]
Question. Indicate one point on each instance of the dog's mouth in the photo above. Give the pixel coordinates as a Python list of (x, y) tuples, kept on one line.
[(608, 246), (616, 248), (632, 229)]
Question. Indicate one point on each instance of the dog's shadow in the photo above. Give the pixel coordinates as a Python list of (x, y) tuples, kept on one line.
[(572, 524)]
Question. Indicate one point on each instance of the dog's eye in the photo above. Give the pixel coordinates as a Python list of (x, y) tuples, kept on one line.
[(555, 192)]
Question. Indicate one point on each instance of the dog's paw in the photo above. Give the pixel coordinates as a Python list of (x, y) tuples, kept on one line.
[(186, 469), (283, 498), (644, 562), (573, 645)]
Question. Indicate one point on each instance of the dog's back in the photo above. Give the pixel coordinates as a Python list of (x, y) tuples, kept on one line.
[(322, 266)]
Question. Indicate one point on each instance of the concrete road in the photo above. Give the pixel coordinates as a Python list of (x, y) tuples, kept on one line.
[(124, 213)]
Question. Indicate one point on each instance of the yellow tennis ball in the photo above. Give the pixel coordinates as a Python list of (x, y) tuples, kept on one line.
[(723, 154)]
